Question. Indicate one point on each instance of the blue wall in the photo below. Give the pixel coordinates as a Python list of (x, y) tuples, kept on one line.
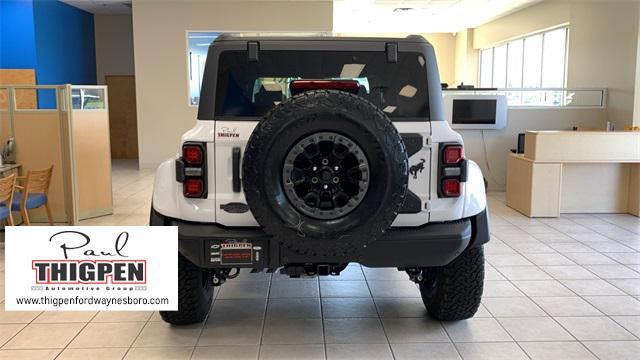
[(65, 44), (17, 37), (61, 39)]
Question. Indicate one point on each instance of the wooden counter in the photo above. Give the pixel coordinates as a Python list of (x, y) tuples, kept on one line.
[(575, 172)]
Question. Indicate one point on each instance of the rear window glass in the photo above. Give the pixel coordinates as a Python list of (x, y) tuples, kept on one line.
[(251, 89)]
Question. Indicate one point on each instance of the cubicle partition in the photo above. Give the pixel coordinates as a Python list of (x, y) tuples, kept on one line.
[(68, 128), (91, 150)]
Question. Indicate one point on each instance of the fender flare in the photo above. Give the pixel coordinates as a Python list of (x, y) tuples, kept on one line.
[(475, 198), (164, 190)]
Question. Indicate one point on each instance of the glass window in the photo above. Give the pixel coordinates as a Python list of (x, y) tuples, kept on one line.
[(535, 61), (514, 64), (486, 68), (500, 66), (553, 55), (197, 55), (532, 62), (87, 98), (250, 89)]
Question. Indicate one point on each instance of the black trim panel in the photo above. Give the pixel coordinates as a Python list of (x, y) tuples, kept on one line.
[(253, 47), (433, 244), (235, 170), (392, 52), (179, 170), (413, 142), (412, 204), (480, 227)]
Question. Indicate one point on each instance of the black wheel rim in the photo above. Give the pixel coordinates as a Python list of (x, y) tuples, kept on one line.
[(325, 175)]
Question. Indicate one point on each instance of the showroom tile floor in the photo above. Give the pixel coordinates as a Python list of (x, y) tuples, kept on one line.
[(566, 288)]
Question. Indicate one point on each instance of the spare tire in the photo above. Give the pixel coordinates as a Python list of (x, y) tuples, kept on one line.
[(325, 173)]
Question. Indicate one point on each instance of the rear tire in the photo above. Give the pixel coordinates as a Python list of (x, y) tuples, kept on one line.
[(454, 291), (195, 295)]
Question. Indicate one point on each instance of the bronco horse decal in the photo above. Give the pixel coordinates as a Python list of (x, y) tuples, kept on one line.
[(415, 169)]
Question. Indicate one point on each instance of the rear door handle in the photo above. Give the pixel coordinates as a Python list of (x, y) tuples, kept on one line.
[(235, 170)]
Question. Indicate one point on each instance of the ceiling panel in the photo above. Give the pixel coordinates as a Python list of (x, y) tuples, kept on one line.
[(401, 16), (378, 16), (112, 7)]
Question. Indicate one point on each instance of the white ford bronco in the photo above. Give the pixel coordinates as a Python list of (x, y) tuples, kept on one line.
[(313, 152)]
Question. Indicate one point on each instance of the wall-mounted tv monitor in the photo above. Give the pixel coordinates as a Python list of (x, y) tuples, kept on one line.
[(476, 111)]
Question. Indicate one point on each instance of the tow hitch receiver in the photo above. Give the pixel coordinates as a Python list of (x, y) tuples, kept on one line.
[(312, 269), (415, 273)]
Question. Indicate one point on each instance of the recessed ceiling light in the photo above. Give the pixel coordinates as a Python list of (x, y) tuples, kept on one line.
[(402, 9)]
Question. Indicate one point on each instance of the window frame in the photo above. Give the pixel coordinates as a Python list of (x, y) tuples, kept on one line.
[(492, 48), (188, 60)]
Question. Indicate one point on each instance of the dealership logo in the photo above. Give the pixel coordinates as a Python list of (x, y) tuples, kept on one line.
[(87, 271), (90, 272), (228, 132), (91, 268)]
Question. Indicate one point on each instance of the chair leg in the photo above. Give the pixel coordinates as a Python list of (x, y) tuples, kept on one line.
[(25, 216), (10, 219), (49, 216)]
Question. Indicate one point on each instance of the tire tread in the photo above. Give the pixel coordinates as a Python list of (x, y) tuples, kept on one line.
[(459, 287), (194, 302)]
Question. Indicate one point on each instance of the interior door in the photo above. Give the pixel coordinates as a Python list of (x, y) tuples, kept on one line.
[(123, 123)]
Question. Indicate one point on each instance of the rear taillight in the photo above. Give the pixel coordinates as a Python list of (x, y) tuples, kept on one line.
[(191, 170), (451, 187), (452, 154), (193, 188), (192, 155), (452, 170)]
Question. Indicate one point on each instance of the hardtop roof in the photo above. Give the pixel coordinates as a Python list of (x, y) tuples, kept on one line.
[(314, 37)]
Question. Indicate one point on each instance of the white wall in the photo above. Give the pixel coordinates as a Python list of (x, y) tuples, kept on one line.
[(603, 42), (636, 97), (444, 45), (161, 56), (114, 46), (535, 18), (466, 59)]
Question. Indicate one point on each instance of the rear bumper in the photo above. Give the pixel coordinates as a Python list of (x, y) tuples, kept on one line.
[(433, 244)]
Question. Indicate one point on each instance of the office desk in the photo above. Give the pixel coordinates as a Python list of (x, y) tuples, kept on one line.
[(575, 172), (8, 169)]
